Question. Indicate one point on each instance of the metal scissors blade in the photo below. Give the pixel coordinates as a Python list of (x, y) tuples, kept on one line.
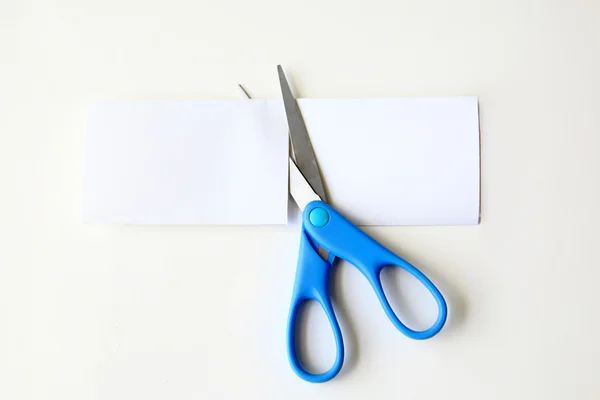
[(300, 189), (303, 151)]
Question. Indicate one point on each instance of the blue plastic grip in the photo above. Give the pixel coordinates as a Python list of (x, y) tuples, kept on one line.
[(323, 226), (312, 283), (345, 240)]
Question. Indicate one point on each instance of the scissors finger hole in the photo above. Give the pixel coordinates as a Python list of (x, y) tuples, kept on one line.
[(409, 298), (314, 340)]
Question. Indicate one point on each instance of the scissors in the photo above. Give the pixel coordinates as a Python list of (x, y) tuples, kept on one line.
[(327, 236)]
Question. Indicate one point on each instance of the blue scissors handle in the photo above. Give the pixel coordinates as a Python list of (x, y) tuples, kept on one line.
[(323, 226), (312, 283)]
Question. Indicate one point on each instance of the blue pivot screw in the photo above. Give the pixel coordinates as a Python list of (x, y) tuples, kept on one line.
[(319, 217)]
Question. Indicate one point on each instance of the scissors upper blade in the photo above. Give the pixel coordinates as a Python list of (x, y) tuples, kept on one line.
[(303, 151)]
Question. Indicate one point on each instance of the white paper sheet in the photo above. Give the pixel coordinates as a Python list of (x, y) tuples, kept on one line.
[(186, 162), (398, 161), (385, 161)]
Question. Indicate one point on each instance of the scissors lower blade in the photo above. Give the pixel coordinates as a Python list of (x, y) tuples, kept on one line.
[(300, 189)]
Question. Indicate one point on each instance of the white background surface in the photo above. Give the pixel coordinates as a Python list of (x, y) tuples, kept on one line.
[(185, 312)]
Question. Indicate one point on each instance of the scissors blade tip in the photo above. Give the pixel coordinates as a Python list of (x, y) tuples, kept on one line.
[(244, 92), (285, 86)]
